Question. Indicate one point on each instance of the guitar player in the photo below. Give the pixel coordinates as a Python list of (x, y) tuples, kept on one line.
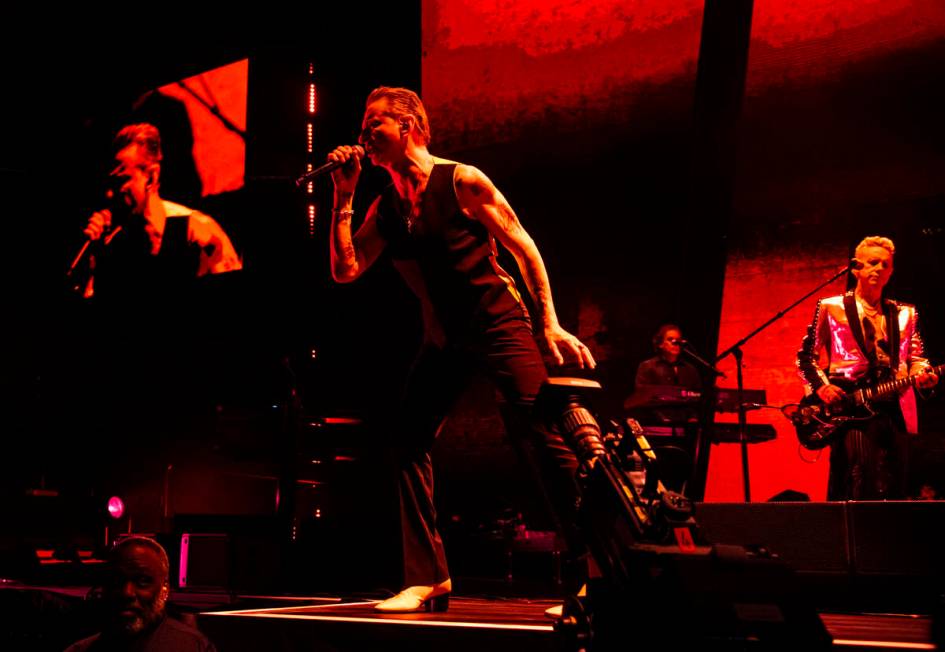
[(865, 339)]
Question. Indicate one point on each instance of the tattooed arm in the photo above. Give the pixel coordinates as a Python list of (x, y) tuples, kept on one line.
[(481, 200), (351, 255), (217, 254)]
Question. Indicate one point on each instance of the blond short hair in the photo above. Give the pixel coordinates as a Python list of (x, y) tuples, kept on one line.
[(876, 241)]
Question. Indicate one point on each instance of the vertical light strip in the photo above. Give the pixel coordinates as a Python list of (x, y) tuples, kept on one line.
[(310, 147)]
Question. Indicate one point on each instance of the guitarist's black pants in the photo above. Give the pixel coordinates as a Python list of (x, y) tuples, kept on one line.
[(870, 462)]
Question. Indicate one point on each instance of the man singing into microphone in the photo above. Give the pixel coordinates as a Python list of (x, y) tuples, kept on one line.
[(439, 221), (867, 339), (142, 241)]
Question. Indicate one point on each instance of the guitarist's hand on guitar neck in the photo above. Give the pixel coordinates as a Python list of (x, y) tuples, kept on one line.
[(830, 394)]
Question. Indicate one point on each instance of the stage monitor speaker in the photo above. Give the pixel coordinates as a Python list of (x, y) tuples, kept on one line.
[(897, 537), (228, 553), (204, 562), (865, 555), (810, 537)]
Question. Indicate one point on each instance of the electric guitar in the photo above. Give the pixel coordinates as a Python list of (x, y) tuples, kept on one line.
[(818, 424)]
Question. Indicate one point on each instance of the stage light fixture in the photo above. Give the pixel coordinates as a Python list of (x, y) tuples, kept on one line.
[(116, 507)]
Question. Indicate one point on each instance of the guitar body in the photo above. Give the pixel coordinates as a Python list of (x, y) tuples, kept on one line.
[(818, 425)]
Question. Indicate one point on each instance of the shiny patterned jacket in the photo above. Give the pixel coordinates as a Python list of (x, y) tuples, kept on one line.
[(830, 335)]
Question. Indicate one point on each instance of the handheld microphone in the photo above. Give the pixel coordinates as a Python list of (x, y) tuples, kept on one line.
[(325, 168), (109, 231), (78, 257)]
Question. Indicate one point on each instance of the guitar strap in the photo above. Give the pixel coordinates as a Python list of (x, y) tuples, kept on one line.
[(892, 333), (853, 318)]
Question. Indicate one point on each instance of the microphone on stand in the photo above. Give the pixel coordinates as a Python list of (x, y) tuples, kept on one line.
[(323, 169), (695, 356)]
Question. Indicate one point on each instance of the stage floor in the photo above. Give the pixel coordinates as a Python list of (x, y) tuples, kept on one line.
[(479, 624)]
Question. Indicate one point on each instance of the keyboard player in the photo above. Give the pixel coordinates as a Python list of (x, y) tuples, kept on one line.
[(665, 402), (667, 367)]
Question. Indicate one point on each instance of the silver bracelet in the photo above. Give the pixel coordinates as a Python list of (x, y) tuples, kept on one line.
[(346, 212)]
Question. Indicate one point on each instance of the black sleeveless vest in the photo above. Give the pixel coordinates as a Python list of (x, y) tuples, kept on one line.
[(456, 256), (126, 270)]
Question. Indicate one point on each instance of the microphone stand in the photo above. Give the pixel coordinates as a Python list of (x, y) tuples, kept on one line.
[(736, 351), (699, 441), (705, 364)]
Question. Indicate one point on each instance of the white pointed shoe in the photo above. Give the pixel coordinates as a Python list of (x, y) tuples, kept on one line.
[(431, 597), (557, 611)]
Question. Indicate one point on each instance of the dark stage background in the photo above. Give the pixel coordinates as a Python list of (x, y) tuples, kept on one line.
[(670, 167)]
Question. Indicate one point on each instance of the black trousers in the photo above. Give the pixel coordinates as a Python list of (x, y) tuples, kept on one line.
[(507, 352), (870, 462)]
